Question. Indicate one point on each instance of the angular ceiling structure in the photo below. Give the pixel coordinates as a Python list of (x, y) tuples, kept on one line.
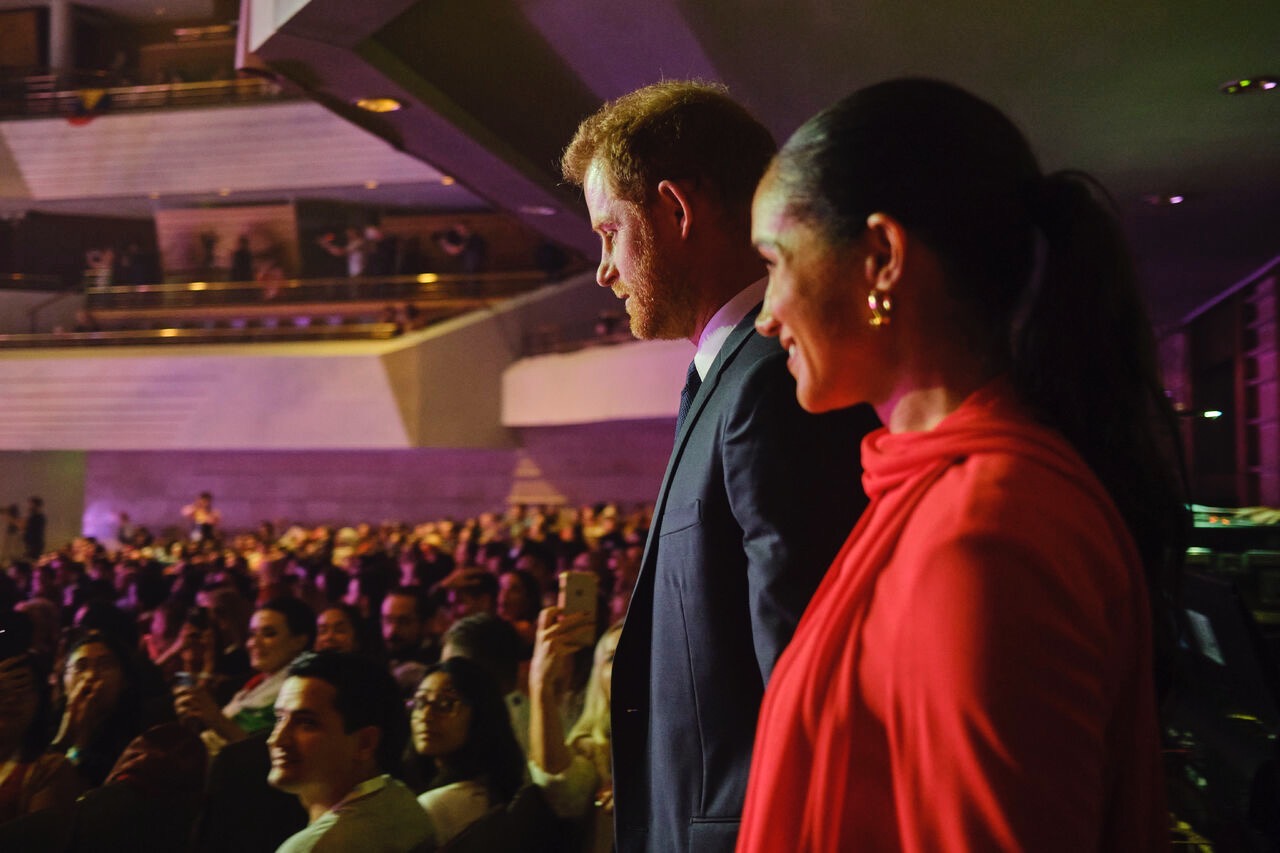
[(494, 88)]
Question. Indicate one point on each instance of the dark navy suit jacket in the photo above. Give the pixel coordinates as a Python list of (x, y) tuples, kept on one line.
[(757, 498)]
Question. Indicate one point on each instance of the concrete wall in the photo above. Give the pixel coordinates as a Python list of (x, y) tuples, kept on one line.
[(26, 311), (620, 461), (56, 476)]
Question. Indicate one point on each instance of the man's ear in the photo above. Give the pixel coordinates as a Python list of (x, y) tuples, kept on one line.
[(367, 741), (675, 205), (885, 241)]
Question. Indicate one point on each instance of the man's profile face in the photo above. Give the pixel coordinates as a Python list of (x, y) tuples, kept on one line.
[(311, 755), (634, 263), (401, 627)]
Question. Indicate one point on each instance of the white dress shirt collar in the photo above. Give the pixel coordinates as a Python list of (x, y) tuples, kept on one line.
[(723, 322)]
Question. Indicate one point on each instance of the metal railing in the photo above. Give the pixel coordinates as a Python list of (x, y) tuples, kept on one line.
[(58, 95), (292, 310), (135, 337), (424, 290)]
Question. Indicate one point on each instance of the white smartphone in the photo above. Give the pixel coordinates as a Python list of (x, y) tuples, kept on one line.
[(580, 593)]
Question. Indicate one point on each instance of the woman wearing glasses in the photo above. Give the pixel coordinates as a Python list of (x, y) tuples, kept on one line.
[(103, 705), (462, 732)]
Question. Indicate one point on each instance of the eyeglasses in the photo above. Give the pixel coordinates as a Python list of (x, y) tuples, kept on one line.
[(443, 705)]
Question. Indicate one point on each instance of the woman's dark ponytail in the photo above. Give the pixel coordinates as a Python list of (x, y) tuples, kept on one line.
[(1084, 358)]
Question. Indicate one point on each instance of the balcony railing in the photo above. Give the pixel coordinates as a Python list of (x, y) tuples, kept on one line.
[(292, 310), (425, 290), (45, 95), (265, 334)]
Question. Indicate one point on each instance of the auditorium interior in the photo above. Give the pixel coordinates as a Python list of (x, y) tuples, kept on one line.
[(183, 184)]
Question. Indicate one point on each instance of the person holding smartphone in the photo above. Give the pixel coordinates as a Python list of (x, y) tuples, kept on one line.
[(279, 631), (574, 770), (31, 779)]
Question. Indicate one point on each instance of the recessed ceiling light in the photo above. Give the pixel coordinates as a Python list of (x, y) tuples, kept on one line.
[(537, 210), (446, 180), (379, 105), (371, 185), (1164, 199), (1249, 84), (224, 192)]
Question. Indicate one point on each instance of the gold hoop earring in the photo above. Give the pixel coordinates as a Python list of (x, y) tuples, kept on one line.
[(881, 306)]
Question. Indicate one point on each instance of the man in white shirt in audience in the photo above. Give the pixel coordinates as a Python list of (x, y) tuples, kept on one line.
[(340, 727)]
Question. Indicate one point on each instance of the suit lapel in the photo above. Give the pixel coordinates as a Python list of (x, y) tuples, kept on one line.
[(732, 346), (642, 596)]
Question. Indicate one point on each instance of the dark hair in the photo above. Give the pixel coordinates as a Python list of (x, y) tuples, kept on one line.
[(961, 178), (420, 605), (359, 625), (491, 642), (365, 695), (15, 641), (300, 618), (532, 591), (83, 636), (105, 617), (479, 582), (491, 754), (675, 129)]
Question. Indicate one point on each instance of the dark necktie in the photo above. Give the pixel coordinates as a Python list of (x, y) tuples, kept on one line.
[(692, 382)]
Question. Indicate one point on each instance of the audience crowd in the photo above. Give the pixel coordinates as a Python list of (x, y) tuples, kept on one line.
[(213, 692)]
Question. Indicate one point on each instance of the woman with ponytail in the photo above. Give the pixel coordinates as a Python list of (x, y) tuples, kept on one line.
[(976, 670)]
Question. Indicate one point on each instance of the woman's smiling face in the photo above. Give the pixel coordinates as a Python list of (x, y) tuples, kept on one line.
[(815, 305)]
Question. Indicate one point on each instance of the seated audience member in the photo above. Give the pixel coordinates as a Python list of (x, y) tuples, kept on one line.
[(203, 658), (45, 629), (31, 779), (102, 710), (279, 631), (229, 613), (424, 560), (462, 731), (338, 630), (338, 735), (471, 591), (405, 637), (162, 642), (121, 628), (573, 771), (519, 600), (494, 645)]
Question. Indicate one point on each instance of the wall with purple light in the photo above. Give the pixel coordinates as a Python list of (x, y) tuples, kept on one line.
[(620, 461)]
